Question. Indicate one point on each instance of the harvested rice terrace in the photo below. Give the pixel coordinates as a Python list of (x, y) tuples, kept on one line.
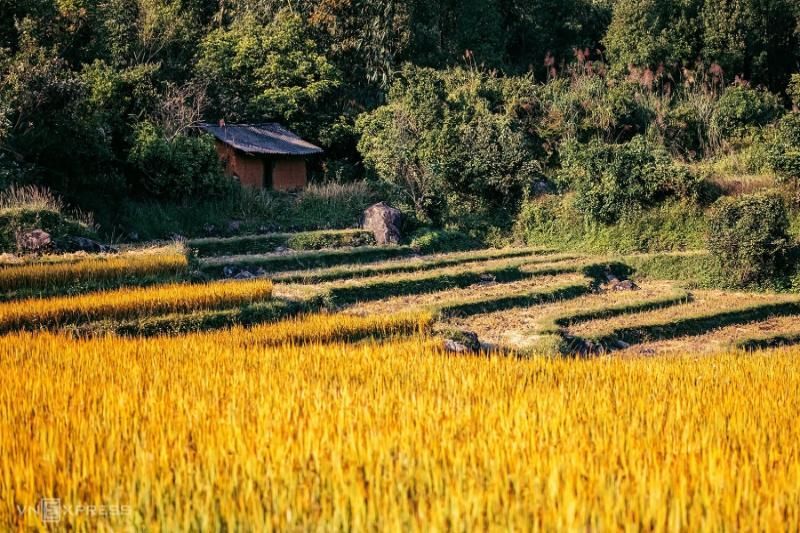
[(517, 300)]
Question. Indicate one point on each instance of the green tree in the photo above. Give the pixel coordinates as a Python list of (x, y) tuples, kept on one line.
[(49, 126), (755, 39), (258, 72), (536, 28), (750, 235), (648, 33), (176, 168), (611, 180), (450, 146)]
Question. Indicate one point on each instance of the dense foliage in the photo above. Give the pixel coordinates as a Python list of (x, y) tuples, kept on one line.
[(614, 179), (457, 111), (750, 235), (449, 146), (784, 154)]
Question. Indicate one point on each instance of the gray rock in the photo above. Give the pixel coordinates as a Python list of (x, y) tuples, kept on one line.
[(626, 285), (234, 226), (452, 346), (244, 274), (384, 221), (83, 244), (261, 272), (34, 241), (462, 342), (230, 271)]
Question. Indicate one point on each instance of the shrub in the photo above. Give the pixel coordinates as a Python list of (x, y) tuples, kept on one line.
[(444, 141), (794, 90), (437, 241), (741, 107), (27, 208), (750, 236), (685, 131), (612, 180), (784, 150), (318, 240), (178, 167), (553, 221)]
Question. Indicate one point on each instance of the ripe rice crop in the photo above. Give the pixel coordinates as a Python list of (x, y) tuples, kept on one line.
[(333, 327), (130, 303), (42, 275), (210, 433)]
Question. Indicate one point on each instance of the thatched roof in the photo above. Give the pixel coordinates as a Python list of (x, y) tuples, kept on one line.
[(262, 139)]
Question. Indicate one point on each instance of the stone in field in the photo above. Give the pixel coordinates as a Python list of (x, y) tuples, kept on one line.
[(626, 285), (462, 342), (34, 241), (83, 244), (384, 222)]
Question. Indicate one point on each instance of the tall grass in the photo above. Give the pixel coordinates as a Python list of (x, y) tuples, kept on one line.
[(130, 303), (47, 275), (329, 206), (37, 198), (210, 433)]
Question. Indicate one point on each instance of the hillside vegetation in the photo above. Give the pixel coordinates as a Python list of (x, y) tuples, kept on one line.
[(600, 125)]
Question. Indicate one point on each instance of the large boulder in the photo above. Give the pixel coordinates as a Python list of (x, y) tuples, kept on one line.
[(34, 241), (384, 222)]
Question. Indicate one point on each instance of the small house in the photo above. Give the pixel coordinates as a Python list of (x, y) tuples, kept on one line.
[(263, 156)]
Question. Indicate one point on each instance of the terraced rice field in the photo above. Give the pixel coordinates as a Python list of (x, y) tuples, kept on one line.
[(325, 398)]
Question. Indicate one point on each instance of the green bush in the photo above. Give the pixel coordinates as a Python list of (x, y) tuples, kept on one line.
[(784, 150), (318, 240), (16, 221), (428, 241), (740, 108), (685, 130), (28, 208), (750, 236), (269, 242), (611, 180), (794, 90), (176, 168), (553, 221)]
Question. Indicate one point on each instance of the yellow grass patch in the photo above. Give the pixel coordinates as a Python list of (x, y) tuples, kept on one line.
[(206, 433), (520, 328), (720, 339), (130, 303), (703, 303), (76, 268), (474, 293)]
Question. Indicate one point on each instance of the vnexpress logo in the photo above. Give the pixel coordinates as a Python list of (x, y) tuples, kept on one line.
[(50, 510), (53, 510)]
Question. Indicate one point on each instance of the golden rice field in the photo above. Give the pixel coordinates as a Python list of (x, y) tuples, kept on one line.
[(129, 303), (208, 433), (350, 416), (46, 273)]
